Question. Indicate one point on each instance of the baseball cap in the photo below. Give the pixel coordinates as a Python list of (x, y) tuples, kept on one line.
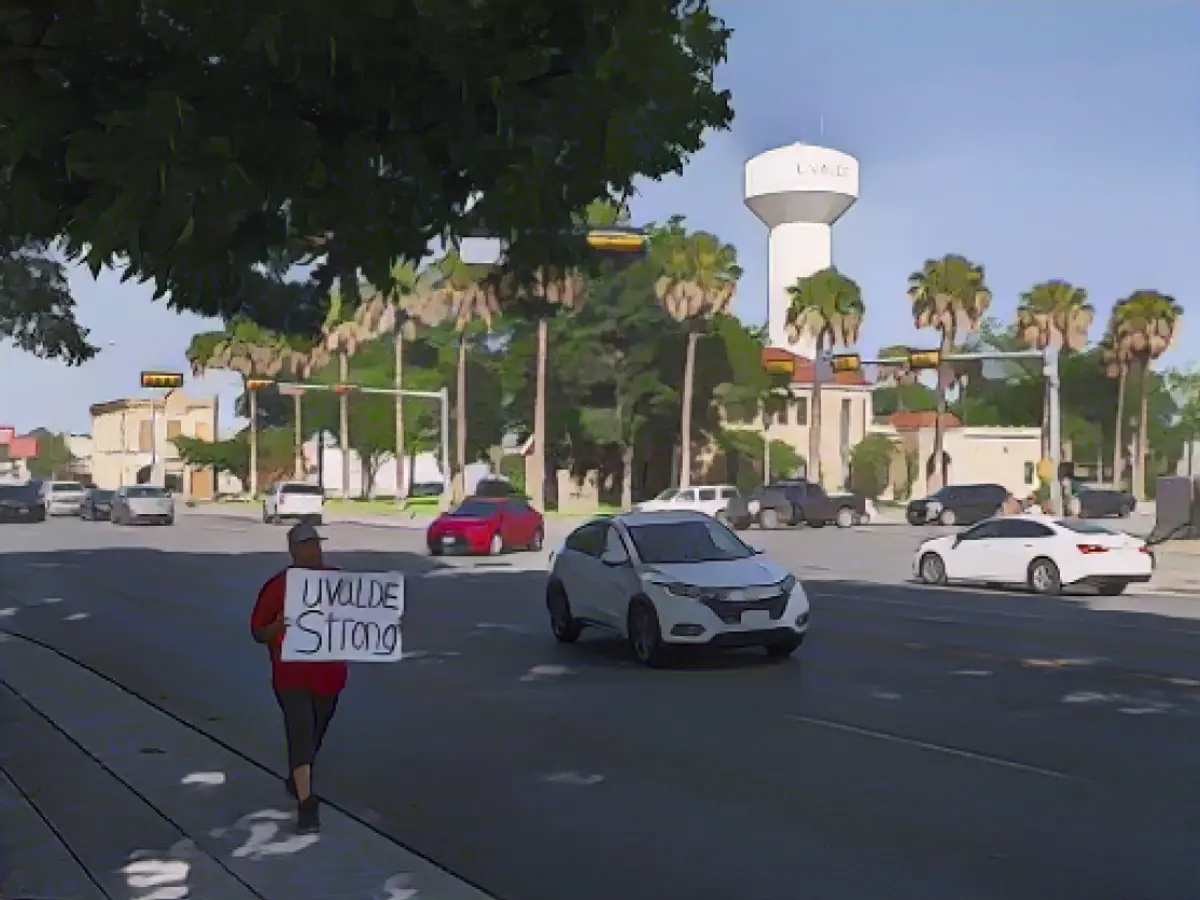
[(303, 533)]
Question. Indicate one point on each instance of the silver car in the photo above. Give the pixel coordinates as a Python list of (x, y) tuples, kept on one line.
[(143, 503), (62, 498)]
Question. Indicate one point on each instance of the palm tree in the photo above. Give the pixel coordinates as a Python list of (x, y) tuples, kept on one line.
[(1146, 324), (828, 307), (1116, 365), (252, 351), (461, 294), (1054, 315), (951, 296), (699, 279), (397, 309)]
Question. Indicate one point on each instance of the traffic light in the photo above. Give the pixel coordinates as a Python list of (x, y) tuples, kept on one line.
[(257, 384), (924, 359), (775, 363), (845, 362), (162, 379), (616, 240)]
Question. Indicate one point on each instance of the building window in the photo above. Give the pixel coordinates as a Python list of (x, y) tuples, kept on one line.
[(174, 428), (145, 437), (801, 410), (1030, 472)]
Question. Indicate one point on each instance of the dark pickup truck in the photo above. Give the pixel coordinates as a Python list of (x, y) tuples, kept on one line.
[(795, 502)]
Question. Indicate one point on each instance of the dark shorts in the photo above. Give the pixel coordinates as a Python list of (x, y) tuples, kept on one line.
[(306, 718)]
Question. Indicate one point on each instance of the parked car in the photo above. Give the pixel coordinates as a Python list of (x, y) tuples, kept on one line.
[(712, 500), (136, 503), (297, 501), (1043, 552), (97, 505), (664, 579), (496, 487), (958, 504), (488, 525), (21, 503), (1099, 501), (796, 502), (62, 498)]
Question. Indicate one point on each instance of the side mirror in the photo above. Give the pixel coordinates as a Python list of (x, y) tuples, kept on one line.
[(613, 558)]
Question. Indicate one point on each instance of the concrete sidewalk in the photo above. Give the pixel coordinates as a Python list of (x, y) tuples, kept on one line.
[(253, 512), (103, 797)]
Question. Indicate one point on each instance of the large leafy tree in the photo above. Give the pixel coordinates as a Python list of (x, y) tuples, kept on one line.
[(699, 278), (1054, 315), (1145, 325), (951, 296), (828, 306), (195, 143), (37, 312)]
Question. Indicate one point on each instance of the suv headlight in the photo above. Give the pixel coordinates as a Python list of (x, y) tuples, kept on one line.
[(933, 506), (788, 584), (684, 590)]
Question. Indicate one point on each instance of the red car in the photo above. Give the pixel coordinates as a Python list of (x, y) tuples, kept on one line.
[(488, 525)]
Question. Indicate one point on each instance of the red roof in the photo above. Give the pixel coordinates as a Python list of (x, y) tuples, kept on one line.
[(906, 419), (803, 372), (23, 447)]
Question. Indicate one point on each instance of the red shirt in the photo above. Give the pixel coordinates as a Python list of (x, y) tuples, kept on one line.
[(324, 678)]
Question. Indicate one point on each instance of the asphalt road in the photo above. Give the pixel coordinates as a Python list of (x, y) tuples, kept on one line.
[(923, 744)]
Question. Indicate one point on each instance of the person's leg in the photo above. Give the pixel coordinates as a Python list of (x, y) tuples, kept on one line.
[(324, 707), (299, 718)]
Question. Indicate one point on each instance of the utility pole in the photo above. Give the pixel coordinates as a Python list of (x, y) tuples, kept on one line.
[(1050, 371), (162, 383)]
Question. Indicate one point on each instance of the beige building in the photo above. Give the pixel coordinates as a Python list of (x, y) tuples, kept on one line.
[(846, 417), (132, 434)]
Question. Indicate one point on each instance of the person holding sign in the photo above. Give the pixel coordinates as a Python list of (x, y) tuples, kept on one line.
[(307, 692)]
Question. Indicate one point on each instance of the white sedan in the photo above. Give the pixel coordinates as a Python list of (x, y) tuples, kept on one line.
[(673, 578), (1042, 552)]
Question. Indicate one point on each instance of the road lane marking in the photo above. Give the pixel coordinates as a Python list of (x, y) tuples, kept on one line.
[(934, 748)]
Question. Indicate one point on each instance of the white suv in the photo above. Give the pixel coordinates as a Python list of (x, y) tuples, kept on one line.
[(682, 578), (295, 500), (63, 498), (708, 499)]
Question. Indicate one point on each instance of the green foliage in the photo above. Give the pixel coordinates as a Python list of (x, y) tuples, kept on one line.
[(743, 449), (209, 148), (828, 306), (512, 467), (37, 311), (870, 464), (232, 455), (53, 458)]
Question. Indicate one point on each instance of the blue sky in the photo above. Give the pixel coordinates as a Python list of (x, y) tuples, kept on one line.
[(1043, 140)]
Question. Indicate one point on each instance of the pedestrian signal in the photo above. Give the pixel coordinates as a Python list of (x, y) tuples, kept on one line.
[(924, 359), (845, 362), (257, 384), (162, 379)]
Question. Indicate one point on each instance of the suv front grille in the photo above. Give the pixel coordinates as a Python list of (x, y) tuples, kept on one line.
[(730, 612)]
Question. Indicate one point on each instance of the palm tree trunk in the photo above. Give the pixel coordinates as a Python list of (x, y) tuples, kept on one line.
[(253, 444), (398, 385), (1142, 447), (344, 422), (685, 426), (537, 490), (460, 420), (1046, 419), (939, 425), (627, 476), (813, 470), (297, 416), (766, 468), (1118, 429)]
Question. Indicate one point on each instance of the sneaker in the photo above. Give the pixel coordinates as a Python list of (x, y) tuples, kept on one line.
[(308, 816), (289, 785)]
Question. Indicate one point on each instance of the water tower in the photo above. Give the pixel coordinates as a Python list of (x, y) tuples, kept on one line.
[(799, 192)]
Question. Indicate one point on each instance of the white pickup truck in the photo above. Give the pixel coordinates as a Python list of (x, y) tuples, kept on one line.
[(710, 499), (296, 501)]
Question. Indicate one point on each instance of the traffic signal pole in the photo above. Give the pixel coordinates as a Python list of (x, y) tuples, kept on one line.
[(1050, 371)]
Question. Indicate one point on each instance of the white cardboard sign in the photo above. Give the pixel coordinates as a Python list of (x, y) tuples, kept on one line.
[(336, 615)]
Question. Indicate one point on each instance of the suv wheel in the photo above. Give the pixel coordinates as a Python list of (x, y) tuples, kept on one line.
[(845, 517), (645, 635), (768, 518), (566, 628), (948, 517)]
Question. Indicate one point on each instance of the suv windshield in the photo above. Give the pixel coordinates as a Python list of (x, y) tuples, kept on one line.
[(145, 490), (668, 494), (687, 542), (16, 492), (66, 486), (312, 490), (98, 494)]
